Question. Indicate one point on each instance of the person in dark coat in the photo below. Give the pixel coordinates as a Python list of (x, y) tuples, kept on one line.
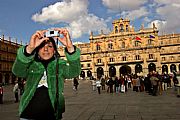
[(1, 94), (111, 83), (76, 83)]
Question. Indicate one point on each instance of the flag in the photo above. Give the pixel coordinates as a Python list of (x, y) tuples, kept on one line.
[(151, 36), (138, 38)]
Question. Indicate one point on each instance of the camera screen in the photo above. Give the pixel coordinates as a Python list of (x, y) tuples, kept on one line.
[(51, 32)]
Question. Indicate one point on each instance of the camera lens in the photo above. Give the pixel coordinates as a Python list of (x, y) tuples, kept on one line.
[(51, 32)]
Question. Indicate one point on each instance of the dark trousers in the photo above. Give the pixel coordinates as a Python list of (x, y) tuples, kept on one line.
[(155, 89), (16, 97), (1, 98), (103, 87), (99, 90), (111, 88)]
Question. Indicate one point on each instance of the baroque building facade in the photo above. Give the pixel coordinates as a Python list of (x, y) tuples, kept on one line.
[(126, 51), (8, 51)]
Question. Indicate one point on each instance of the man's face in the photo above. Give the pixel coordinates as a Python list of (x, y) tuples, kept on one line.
[(47, 51)]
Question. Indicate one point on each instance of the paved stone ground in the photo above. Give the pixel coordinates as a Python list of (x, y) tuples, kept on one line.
[(86, 104)]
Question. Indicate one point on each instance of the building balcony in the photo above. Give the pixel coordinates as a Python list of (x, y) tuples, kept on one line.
[(170, 61), (99, 64), (151, 59)]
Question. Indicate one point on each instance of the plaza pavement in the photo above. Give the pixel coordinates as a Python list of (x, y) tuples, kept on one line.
[(86, 104)]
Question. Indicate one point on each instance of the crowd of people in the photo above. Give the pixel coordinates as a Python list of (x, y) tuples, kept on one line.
[(152, 83)]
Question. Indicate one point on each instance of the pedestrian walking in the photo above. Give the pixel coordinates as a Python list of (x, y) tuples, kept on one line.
[(93, 83), (98, 85), (103, 82), (110, 84), (1, 94), (75, 83), (16, 92), (44, 71), (116, 84)]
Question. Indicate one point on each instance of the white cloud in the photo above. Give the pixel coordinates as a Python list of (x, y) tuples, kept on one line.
[(135, 13), (169, 12), (86, 24), (159, 24), (75, 14), (117, 5), (167, 2), (62, 12)]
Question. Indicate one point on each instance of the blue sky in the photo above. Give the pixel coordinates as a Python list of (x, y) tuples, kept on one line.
[(19, 19)]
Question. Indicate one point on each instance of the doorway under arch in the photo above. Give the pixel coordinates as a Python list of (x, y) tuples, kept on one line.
[(82, 74), (138, 68), (125, 70), (173, 68), (100, 72), (112, 71), (164, 69), (151, 67), (89, 73)]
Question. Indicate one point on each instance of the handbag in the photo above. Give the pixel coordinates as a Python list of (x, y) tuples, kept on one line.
[(123, 88)]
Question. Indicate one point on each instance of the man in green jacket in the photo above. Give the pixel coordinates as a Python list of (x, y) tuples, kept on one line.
[(44, 71)]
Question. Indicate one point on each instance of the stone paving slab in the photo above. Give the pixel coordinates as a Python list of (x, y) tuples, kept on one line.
[(86, 104)]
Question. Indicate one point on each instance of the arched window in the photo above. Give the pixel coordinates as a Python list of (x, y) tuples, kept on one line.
[(98, 47), (127, 28), (121, 28), (123, 44), (110, 45), (116, 29)]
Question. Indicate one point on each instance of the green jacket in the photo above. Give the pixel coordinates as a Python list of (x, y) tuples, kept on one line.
[(27, 67)]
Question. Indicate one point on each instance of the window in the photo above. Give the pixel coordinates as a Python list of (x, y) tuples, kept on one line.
[(161, 42), (88, 65), (98, 47), (151, 56), (111, 59), (149, 42), (110, 45), (88, 57), (124, 58), (82, 57), (82, 65), (121, 28), (127, 28), (137, 43), (99, 60), (137, 57), (163, 58), (171, 57), (116, 29), (123, 44)]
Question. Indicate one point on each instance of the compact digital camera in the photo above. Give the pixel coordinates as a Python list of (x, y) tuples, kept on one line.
[(51, 33)]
